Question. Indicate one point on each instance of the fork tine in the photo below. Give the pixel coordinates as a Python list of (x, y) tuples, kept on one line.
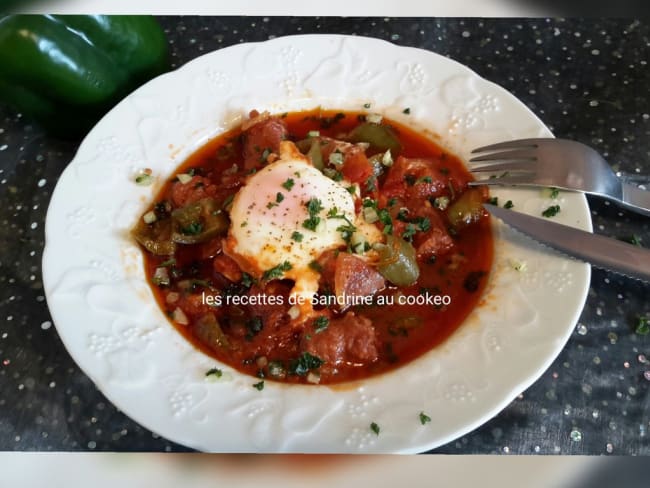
[(502, 166), (525, 180), (519, 154), (515, 144)]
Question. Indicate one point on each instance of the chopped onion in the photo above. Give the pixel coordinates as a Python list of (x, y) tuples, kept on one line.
[(441, 203), (149, 217), (313, 378), (232, 170), (336, 158), (276, 369), (374, 118), (161, 277), (184, 178), (261, 361), (370, 215), (144, 179), (387, 158), (172, 297), (179, 317), (518, 265), (294, 312)]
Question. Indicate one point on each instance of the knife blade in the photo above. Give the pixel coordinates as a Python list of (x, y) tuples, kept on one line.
[(600, 251)]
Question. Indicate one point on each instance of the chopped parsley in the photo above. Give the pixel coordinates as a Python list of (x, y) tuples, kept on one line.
[(270, 205), (406, 111), (313, 207), (423, 179), (493, 201), (346, 229), (410, 179), (279, 197), (297, 236), (385, 218), (265, 155), (418, 224), (214, 373), (288, 185), (375, 428), (403, 214), (642, 326), (276, 271), (369, 203), (304, 363), (195, 228), (409, 232), (551, 211), (333, 174), (423, 223), (259, 386), (253, 327), (424, 418), (315, 265), (311, 223), (247, 280), (366, 105), (554, 193), (392, 201), (508, 204), (321, 323)]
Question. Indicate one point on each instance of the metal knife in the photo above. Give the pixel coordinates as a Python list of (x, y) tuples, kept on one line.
[(600, 251)]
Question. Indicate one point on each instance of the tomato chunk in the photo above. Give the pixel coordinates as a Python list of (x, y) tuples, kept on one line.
[(354, 277), (348, 340), (414, 178), (262, 136), (227, 266), (194, 190)]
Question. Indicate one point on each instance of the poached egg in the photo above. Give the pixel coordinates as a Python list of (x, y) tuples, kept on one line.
[(286, 216)]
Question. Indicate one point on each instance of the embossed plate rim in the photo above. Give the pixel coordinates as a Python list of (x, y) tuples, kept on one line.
[(123, 326)]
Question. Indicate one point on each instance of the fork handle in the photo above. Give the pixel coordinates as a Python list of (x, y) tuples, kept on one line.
[(636, 199)]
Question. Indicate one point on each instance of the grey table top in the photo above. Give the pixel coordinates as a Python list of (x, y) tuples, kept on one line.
[(587, 80)]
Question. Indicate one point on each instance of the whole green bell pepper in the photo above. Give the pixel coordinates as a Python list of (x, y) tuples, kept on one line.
[(67, 71)]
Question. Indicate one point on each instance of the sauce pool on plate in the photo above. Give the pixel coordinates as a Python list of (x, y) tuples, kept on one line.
[(317, 247)]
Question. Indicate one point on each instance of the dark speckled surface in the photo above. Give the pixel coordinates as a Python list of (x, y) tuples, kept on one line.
[(587, 80)]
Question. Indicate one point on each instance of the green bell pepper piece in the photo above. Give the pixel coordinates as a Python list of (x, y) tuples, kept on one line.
[(67, 71)]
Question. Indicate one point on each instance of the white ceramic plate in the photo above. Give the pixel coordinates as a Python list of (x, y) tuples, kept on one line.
[(107, 317)]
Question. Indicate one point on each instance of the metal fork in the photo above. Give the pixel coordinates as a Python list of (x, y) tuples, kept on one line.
[(558, 163)]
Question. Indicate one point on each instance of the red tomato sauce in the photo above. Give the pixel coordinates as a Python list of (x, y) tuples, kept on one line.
[(424, 182)]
